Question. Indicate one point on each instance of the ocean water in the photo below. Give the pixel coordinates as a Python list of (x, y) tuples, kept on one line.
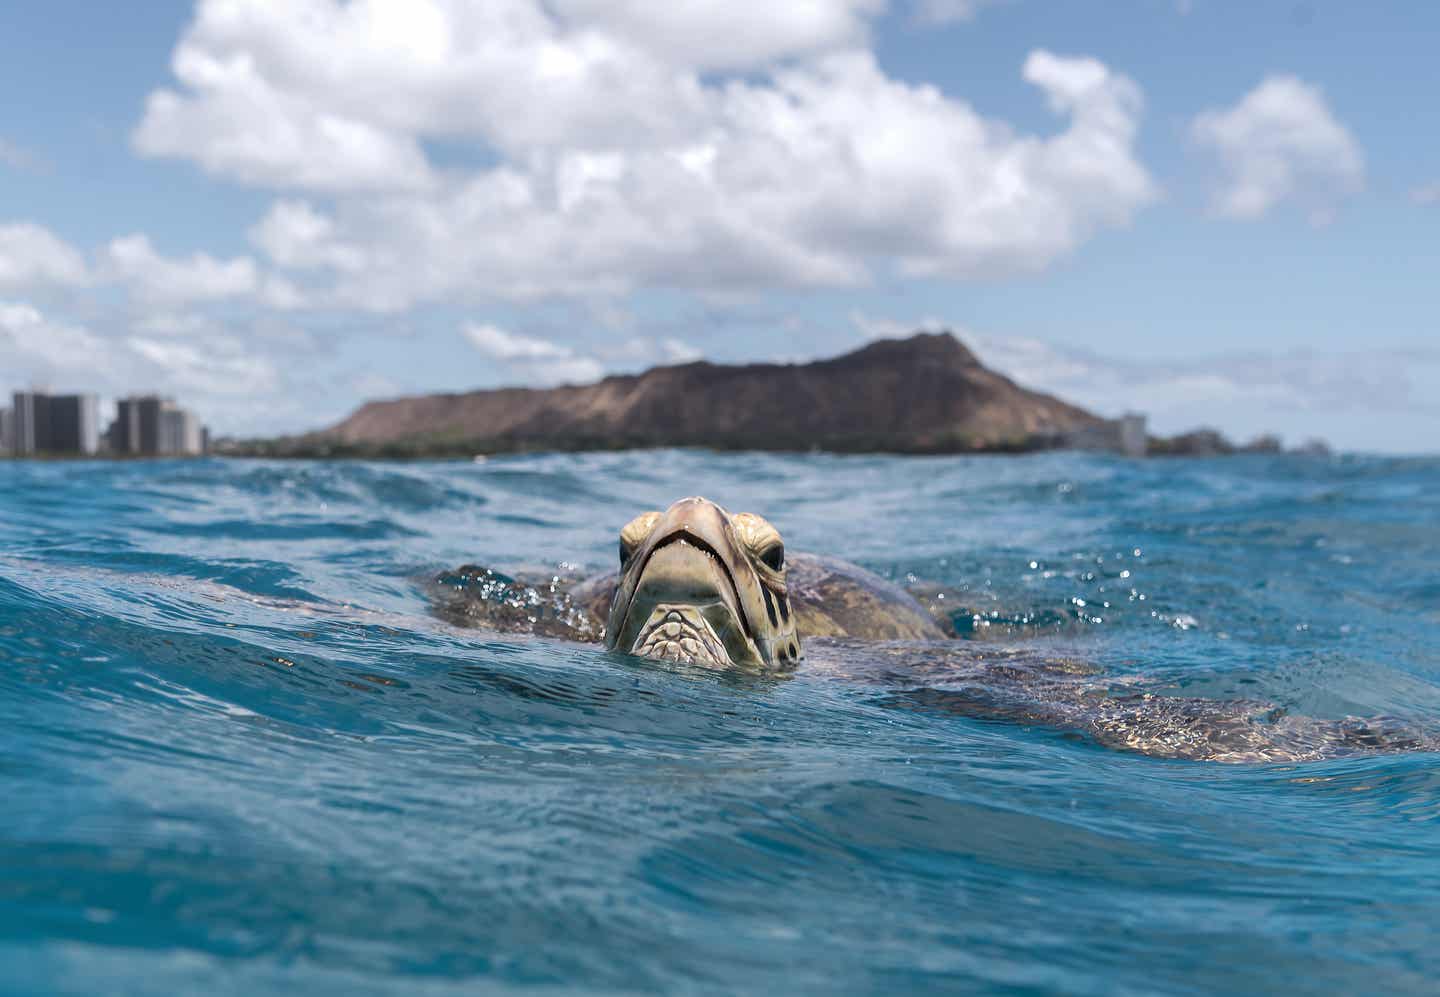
[(238, 752)]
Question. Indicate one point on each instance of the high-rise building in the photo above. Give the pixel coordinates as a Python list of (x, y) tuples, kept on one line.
[(150, 418), (179, 432), (1134, 438), (30, 422), (137, 429), (192, 435), (125, 430), (59, 424), (6, 418), (153, 426), (74, 424)]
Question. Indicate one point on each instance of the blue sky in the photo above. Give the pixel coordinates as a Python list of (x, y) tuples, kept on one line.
[(1217, 213)]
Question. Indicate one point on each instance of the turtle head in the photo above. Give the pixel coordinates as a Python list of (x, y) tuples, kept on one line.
[(700, 585)]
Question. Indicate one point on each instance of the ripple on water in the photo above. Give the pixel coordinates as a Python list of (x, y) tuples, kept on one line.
[(238, 752)]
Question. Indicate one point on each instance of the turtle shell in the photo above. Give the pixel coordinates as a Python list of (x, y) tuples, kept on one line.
[(834, 598)]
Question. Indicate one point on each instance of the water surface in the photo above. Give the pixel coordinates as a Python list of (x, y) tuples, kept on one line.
[(236, 751)]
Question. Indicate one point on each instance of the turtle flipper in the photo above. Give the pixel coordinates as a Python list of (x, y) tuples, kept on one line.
[(476, 596)]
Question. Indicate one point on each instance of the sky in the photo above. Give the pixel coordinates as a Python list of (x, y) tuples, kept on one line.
[(1215, 213)]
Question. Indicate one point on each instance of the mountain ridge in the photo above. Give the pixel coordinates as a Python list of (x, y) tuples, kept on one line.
[(927, 393)]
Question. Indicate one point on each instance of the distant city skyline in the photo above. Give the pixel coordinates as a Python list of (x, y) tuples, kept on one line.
[(43, 423), (1215, 214)]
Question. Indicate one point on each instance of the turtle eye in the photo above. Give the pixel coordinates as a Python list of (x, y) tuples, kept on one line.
[(774, 557), (635, 533), (761, 538)]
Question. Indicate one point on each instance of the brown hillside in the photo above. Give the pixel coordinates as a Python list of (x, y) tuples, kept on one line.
[(927, 393)]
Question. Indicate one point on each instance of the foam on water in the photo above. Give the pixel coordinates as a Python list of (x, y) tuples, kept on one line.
[(237, 751)]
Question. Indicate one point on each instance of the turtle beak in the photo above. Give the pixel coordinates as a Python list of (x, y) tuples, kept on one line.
[(684, 593)]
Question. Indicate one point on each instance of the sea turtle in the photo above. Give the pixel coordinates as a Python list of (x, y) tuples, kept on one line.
[(701, 586)]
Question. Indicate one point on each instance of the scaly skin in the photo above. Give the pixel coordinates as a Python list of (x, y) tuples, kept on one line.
[(700, 585)]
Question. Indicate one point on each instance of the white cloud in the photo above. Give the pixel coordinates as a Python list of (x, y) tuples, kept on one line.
[(218, 365), (726, 34), (238, 122), (707, 146), (496, 342), (324, 95), (133, 260), (1302, 393), (855, 165), (678, 351), (176, 323), (32, 256), (294, 234), (337, 99), (1280, 141), (813, 177), (538, 361), (949, 11), (1299, 392), (572, 370), (281, 294), (639, 353), (39, 349), (190, 356), (881, 327), (534, 360)]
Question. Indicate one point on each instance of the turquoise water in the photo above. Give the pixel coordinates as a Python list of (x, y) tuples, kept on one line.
[(237, 752)]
